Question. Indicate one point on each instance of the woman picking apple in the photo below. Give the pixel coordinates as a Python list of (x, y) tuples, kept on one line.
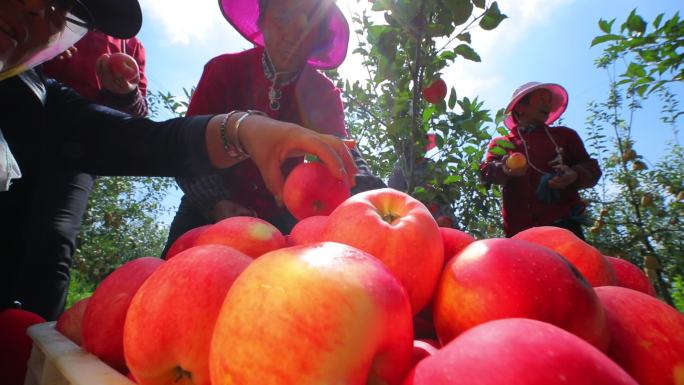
[(293, 41), (542, 174), (47, 127)]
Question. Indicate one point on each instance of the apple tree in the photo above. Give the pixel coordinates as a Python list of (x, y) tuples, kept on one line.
[(404, 46), (638, 205)]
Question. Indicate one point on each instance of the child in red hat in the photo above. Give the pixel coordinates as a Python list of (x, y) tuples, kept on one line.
[(545, 191)]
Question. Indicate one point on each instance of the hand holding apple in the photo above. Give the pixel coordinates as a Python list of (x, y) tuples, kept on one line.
[(118, 73), (515, 164)]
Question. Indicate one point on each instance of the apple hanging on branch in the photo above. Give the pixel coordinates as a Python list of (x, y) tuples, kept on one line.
[(435, 92)]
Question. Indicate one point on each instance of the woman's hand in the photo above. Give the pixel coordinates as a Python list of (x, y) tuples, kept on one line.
[(565, 177), (227, 209), (513, 172), (270, 142)]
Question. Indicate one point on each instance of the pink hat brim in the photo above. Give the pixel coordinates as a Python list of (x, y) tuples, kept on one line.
[(559, 101), (244, 14)]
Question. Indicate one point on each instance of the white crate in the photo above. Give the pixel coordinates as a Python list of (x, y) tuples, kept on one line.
[(56, 360)]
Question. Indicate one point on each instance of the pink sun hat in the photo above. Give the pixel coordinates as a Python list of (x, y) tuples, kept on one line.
[(559, 101), (243, 15)]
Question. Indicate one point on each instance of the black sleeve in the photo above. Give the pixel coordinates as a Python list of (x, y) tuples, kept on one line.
[(99, 140)]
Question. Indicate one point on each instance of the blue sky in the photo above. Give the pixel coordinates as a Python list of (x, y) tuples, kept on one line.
[(542, 40)]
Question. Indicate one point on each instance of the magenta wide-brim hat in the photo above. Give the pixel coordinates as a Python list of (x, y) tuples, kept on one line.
[(559, 101), (244, 14)]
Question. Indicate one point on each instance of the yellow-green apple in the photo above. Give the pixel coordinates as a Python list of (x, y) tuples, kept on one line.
[(397, 229), (323, 313), (436, 91), (185, 241), (15, 344), (252, 236), (518, 351), (171, 318), (103, 320), (516, 161), (647, 335), (630, 276), (310, 189), (70, 323), (507, 278), (308, 230), (586, 258), (123, 66), (454, 241)]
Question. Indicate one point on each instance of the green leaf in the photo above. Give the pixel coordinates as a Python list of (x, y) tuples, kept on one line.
[(498, 151), (452, 98), (635, 23), (492, 17), (605, 38), (606, 26), (467, 52), (480, 3), (658, 19), (635, 70), (464, 37), (452, 179), (460, 10), (505, 144)]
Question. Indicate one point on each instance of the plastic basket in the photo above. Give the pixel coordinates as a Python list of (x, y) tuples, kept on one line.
[(55, 360)]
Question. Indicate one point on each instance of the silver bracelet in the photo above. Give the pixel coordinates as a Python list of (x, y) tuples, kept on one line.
[(236, 131), (228, 146)]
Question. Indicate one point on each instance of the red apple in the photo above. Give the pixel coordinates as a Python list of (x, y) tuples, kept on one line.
[(171, 318), (397, 229), (104, 317), (507, 278), (454, 241), (252, 236), (324, 313), (647, 336), (123, 66), (308, 230), (518, 351), (436, 91), (15, 344), (70, 323), (516, 161), (185, 241), (586, 258), (630, 276), (310, 189)]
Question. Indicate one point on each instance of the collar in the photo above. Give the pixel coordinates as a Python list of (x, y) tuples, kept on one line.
[(278, 79)]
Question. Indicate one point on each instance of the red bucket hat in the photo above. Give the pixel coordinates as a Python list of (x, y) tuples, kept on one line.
[(559, 101), (244, 14)]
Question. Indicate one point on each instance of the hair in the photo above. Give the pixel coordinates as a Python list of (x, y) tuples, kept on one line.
[(323, 33)]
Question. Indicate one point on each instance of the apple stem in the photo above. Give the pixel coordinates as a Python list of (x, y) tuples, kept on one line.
[(390, 217), (180, 373)]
